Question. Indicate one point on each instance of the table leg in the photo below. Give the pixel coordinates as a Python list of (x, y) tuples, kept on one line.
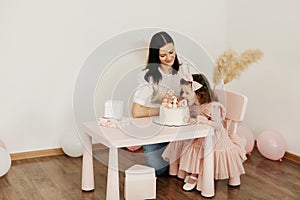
[(87, 179), (208, 188), (112, 188)]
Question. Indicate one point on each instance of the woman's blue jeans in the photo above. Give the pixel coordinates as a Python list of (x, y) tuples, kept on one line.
[(153, 154)]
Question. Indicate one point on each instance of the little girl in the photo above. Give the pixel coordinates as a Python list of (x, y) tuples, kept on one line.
[(186, 157)]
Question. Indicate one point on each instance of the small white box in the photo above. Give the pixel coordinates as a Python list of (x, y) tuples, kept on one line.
[(140, 183), (113, 109)]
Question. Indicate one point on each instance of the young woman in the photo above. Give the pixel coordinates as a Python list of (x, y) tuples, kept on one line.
[(161, 74)]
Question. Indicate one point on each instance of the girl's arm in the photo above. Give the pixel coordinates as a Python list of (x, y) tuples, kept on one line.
[(217, 126), (139, 110), (204, 120)]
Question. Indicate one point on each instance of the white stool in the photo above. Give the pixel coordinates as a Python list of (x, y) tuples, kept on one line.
[(140, 183)]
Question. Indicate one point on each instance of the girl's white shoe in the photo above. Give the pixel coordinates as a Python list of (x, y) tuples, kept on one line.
[(190, 186), (234, 181), (186, 178)]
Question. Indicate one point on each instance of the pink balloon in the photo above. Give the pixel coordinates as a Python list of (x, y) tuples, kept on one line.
[(2, 145), (246, 136), (271, 145)]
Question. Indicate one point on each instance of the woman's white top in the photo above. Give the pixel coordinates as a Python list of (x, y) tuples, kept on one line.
[(150, 94)]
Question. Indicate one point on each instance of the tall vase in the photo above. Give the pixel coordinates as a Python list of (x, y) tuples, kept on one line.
[(219, 91), (220, 85)]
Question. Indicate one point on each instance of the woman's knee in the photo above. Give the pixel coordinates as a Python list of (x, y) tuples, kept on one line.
[(153, 154)]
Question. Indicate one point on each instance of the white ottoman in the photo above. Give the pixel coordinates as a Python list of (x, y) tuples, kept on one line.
[(140, 183)]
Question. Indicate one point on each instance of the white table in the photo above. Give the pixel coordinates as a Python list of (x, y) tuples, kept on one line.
[(140, 131)]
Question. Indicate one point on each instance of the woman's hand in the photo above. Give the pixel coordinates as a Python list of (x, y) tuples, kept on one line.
[(139, 110), (170, 93), (193, 121)]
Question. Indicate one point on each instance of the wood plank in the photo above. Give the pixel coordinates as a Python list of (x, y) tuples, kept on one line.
[(59, 177)]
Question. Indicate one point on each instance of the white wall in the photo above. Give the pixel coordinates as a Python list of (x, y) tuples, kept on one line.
[(44, 44), (272, 85)]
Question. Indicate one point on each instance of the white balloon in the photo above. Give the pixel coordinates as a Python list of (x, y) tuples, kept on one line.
[(5, 161), (71, 145)]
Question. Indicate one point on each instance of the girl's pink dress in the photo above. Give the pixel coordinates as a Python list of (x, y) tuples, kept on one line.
[(229, 153), (174, 151)]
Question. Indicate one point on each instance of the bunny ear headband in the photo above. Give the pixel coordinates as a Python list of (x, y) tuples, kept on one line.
[(195, 85)]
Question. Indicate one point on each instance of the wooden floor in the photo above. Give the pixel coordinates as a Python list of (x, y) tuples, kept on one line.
[(59, 178)]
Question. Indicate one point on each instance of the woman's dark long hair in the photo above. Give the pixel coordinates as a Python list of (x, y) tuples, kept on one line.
[(158, 40), (205, 93)]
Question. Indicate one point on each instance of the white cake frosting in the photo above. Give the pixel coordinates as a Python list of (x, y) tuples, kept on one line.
[(173, 116), (173, 111)]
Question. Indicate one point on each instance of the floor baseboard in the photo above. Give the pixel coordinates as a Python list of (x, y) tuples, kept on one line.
[(292, 157), (46, 152), (36, 154), (59, 151)]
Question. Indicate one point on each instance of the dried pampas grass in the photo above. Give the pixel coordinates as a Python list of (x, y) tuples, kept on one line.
[(230, 64)]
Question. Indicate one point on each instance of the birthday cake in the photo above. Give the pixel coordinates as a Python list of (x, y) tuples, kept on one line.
[(173, 112)]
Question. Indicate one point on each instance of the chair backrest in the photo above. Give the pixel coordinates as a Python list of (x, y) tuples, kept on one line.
[(235, 104)]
